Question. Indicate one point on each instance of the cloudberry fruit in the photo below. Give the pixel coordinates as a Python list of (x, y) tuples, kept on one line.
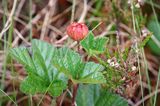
[(77, 31)]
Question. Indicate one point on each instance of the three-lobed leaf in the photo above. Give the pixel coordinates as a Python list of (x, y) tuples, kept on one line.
[(92, 45), (49, 68), (71, 64), (42, 75)]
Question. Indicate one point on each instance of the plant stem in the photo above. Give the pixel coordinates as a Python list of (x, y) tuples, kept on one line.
[(61, 98), (78, 46), (75, 88), (100, 60)]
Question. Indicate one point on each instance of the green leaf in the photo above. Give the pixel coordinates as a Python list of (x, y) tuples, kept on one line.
[(94, 46), (43, 54), (125, 54), (143, 43), (33, 84), (154, 27), (110, 99), (93, 95), (56, 87), (107, 53), (70, 63), (87, 95), (92, 73), (22, 55), (42, 75)]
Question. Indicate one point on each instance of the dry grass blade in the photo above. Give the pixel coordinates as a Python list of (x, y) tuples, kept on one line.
[(8, 22)]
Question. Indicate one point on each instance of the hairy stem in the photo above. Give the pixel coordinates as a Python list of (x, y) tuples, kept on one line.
[(75, 88)]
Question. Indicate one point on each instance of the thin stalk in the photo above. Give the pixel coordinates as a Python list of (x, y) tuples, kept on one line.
[(154, 12), (146, 67), (7, 53), (75, 88), (133, 17), (53, 103), (140, 77), (147, 74), (30, 100), (96, 26), (73, 10), (30, 18), (100, 60), (61, 98), (134, 27), (157, 23), (154, 4), (4, 2), (30, 37), (8, 22), (8, 97), (156, 91), (145, 62), (45, 93)]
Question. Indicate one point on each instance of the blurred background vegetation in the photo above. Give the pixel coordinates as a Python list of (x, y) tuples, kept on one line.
[(23, 20)]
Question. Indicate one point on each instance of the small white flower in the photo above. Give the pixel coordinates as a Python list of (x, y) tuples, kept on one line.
[(109, 61), (134, 68), (145, 32), (129, 1), (137, 5), (117, 65), (112, 64), (141, 2), (137, 50)]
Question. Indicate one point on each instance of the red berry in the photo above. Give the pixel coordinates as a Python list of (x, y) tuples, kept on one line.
[(77, 31)]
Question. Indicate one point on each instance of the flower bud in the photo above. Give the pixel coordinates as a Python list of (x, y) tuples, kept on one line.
[(134, 68), (109, 61), (77, 31)]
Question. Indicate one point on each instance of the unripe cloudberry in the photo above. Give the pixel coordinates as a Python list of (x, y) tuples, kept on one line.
[(77, 31)]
